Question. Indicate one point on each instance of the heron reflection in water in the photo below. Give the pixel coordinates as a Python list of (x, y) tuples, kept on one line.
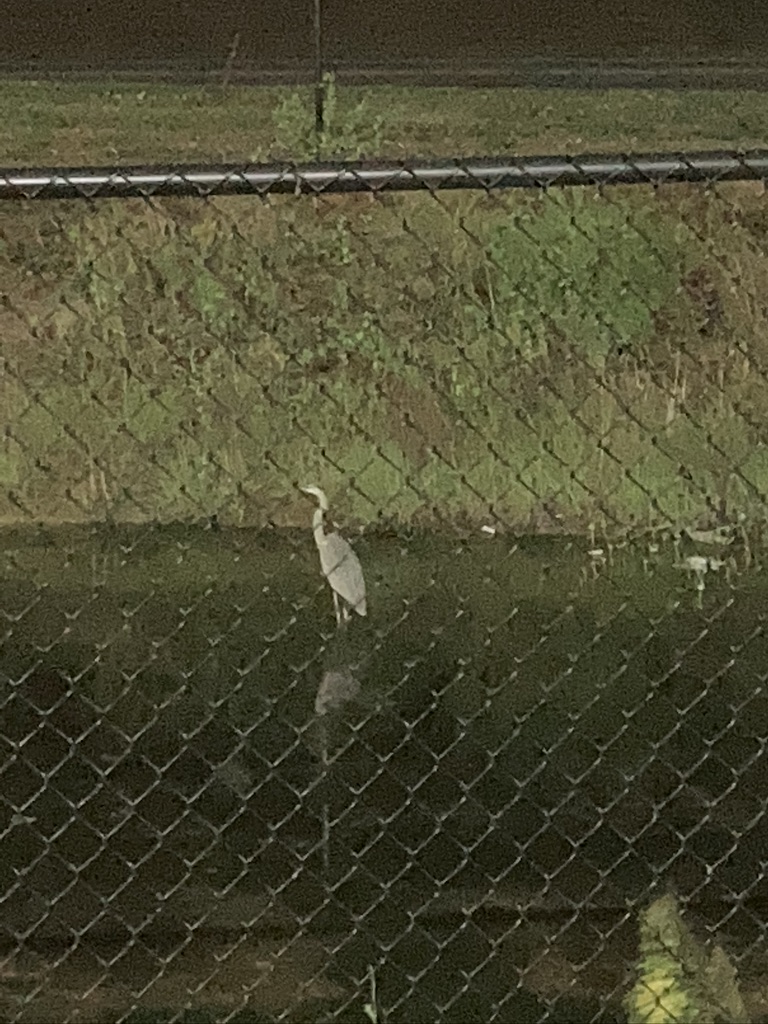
[(339, 563)]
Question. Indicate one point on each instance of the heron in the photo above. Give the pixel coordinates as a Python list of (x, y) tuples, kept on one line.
[(339, 564)]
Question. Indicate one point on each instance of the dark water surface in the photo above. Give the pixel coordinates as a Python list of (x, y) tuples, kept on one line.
[(538, 739)]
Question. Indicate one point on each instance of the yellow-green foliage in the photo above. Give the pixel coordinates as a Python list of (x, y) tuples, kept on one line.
[(678, 982), (664, 993), (351, 130)]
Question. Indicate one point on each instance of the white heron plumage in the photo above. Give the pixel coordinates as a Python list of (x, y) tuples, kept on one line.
[(339, 563)]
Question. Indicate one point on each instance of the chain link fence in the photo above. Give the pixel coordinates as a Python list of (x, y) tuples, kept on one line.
[(529, 784)]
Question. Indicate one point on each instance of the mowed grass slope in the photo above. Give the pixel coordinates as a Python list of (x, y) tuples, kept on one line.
[(543, 361)]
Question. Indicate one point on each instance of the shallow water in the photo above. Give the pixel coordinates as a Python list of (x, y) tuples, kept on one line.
[(528, 728)]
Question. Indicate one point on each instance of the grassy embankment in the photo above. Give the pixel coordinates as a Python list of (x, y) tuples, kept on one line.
[(457, 357)]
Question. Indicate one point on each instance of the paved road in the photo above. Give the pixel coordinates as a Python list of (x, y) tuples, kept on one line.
[(539, 72)]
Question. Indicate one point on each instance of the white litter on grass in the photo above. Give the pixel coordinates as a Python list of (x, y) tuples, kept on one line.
[(700, 565), (491, 530), (696, 563)]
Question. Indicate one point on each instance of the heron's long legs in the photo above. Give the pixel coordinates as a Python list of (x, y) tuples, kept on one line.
[(342, 611)]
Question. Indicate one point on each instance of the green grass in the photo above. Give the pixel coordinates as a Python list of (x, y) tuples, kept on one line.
[(72, 124)]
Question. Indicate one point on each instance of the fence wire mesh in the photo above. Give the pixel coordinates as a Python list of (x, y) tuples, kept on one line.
[(529, 783)]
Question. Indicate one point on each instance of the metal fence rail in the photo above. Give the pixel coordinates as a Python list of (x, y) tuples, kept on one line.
[(522, 774), (345, 178)]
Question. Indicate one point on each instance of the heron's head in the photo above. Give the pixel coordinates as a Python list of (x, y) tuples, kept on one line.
[(317, 493)]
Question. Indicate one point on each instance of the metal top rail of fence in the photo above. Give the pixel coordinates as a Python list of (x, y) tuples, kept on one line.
[(332, 179)]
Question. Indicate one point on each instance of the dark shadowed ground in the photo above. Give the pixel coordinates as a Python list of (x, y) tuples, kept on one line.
[(494, 42)]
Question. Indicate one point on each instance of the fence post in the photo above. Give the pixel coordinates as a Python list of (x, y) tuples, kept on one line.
[(319, 82)]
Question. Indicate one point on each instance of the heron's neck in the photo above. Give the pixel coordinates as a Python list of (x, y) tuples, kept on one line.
[(318, 527)]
